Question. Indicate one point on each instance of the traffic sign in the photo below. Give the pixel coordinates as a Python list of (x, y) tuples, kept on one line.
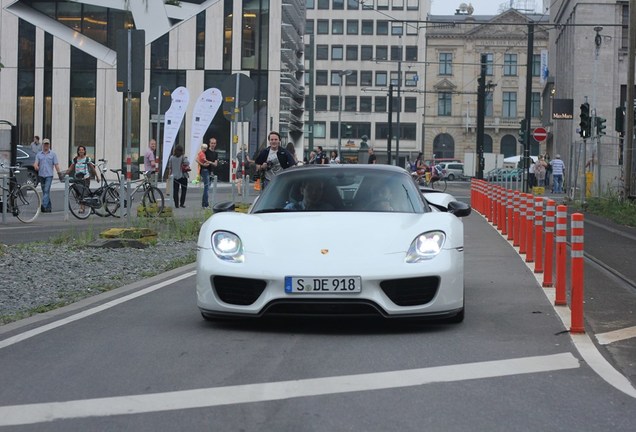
[(540, 134)]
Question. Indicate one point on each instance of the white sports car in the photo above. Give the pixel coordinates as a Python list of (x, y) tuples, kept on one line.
[(335, 240)]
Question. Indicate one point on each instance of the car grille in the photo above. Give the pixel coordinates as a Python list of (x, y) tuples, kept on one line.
[(412, 291), (238, 291), (317, 307)]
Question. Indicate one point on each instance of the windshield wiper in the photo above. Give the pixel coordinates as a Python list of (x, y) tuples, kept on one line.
[(272, 210)]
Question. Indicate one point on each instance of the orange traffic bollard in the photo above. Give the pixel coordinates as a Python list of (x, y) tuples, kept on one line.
[(516, 237), (576, 239), (510, 208), (503, 224), (550, 208), (561, 232), (529, 228), (538, 235), (522, 223)]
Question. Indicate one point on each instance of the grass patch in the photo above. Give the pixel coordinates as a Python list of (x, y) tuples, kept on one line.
[(619, 211)]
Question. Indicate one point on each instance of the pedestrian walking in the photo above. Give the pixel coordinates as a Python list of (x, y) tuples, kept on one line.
[(45, 162), (558, 173), (179, 167), (273, 159)]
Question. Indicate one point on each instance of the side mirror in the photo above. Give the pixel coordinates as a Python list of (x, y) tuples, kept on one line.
[(224, 207), (458, 208)]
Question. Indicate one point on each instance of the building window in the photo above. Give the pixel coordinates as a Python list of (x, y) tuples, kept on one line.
[(380, 79), (366, 103), (322, 77), (336, 52), (444, 104), (412, 4), (489, 64), (410, 53), (510, 64), (396, 53), (320, 129), (397, 28), (200, 41), (351, 103), (82, 92), (159, 52), (408, 131), (410, 104), (338, 5), (535, 105), (380, 104), (395, 79), (488, 111), (309, 26), (321, 103), (536, 65), (323, 27), (624, 26), (322, 52), (367, 27), (309, 4), (382, 28), (509, 105), (367, 5), (353, 4), (445, 63), (397, 104), (381, 52), (366, 78), (337, 27), (352, 27), (352, 52), (366, 52), (397, 5), (255, 34), (383, 4), (352, 80), (410, 79), (323, 4), (333, 103)]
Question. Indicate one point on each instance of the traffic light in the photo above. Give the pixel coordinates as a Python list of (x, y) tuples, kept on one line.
[(619, 120), (522, 131), (600, 126), (586, 121)]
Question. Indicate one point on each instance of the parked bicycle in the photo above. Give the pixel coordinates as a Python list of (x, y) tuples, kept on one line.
[(24, 201), (83, 201), (152, 200)]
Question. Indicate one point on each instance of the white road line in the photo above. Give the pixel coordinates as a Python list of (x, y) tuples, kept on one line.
[(616, 335), (37, 331), (250, 393)]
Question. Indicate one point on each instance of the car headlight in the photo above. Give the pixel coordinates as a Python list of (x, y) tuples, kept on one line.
[(227, 246), (426, 246)]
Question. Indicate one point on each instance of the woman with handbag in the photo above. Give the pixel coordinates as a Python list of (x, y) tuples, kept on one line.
[(179, 167)]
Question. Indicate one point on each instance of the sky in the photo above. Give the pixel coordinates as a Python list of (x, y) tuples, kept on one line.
[(481, 7)]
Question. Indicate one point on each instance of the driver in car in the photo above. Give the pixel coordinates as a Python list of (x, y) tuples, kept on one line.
[(312, 195)]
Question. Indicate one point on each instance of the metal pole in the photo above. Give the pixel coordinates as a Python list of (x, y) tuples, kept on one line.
[(399, 109), (481, 113), (526, 149), (129, 119), (5, 197), (390, 131), (340, 115), (629, 118)]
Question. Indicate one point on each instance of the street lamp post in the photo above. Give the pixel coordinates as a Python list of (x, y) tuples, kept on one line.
[(341, 74)]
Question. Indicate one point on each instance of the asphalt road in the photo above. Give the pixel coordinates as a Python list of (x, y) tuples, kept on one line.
[(145, 360)]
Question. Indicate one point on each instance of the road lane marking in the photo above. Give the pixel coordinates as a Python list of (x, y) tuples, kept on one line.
[(250, 393), (616, 335), (92, 311)]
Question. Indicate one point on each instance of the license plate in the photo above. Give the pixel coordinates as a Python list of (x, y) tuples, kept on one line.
[(322, 285)]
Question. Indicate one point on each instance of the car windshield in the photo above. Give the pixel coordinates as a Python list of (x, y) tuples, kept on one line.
[(342, 188)]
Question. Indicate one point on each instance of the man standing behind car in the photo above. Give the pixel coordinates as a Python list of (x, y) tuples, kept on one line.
[(273, 159), (44, 163), (36, 145)]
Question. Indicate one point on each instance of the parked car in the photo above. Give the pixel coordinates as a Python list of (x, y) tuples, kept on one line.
[(412, 268), (453, 170), (26, 158)]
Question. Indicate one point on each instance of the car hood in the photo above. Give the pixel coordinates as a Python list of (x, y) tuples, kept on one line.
[(303, 234)]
